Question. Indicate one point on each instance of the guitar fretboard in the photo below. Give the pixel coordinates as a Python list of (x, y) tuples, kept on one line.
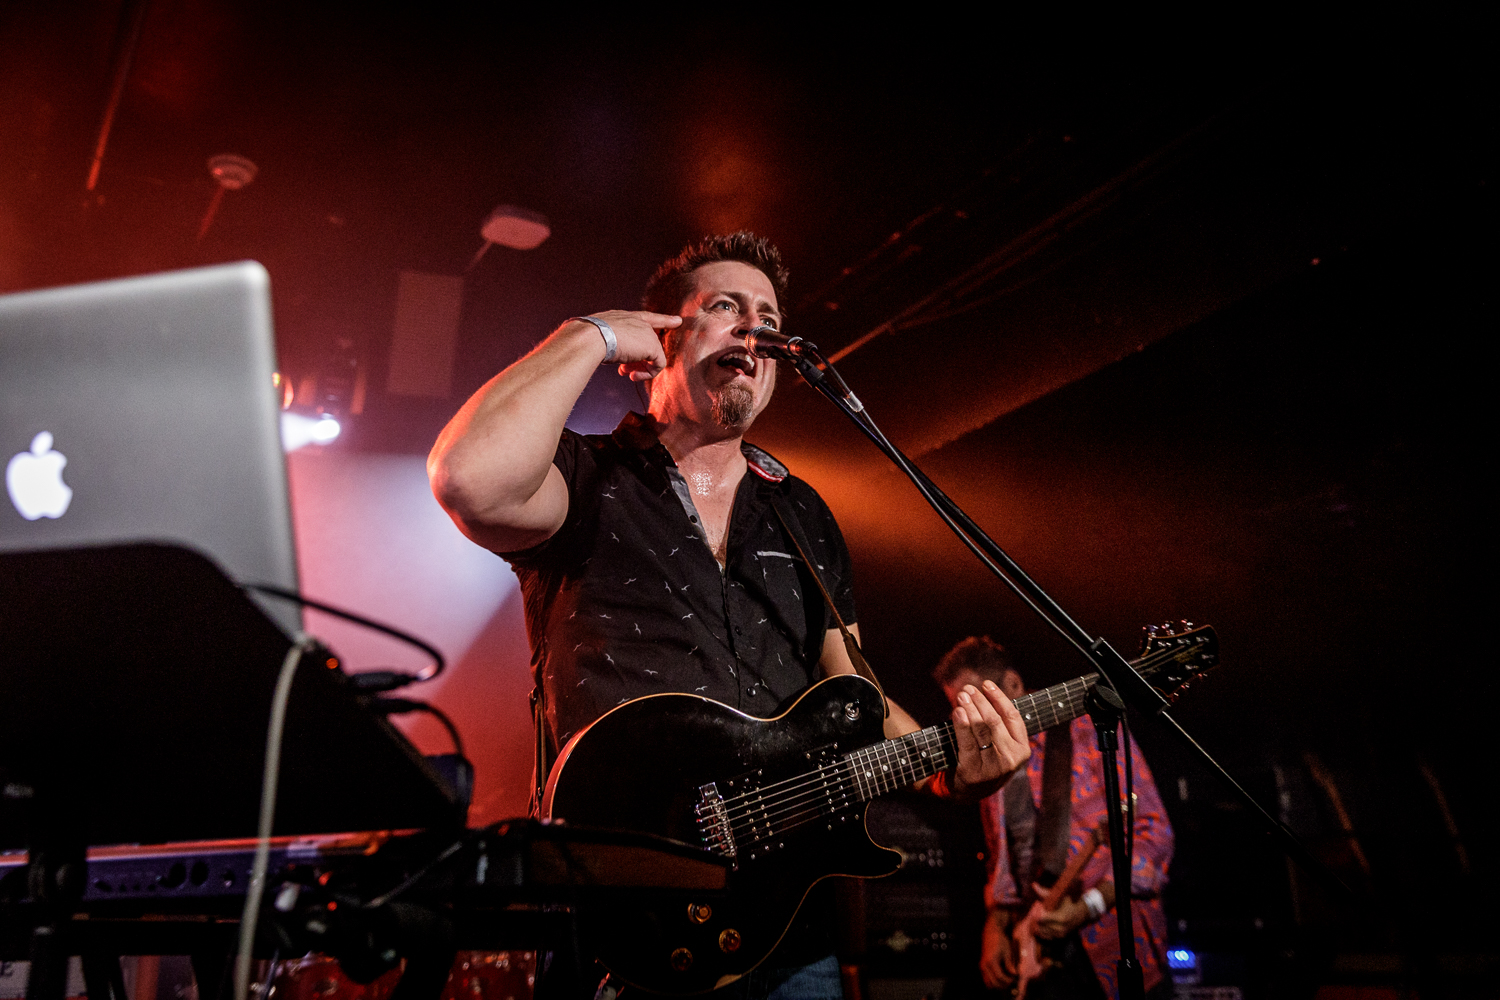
[(885, 767), (754, 820), (1057, 704)]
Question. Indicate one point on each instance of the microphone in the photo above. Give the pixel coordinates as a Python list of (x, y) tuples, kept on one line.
[(766, 342)]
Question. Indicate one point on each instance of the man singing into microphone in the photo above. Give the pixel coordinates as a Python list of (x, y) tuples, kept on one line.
[(650, 559)]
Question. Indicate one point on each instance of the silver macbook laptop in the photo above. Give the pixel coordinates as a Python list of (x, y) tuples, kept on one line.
[(143, 410)]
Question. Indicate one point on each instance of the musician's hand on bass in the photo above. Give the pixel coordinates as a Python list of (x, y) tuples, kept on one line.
[(997, 962), (1070, 915), (991, 739)]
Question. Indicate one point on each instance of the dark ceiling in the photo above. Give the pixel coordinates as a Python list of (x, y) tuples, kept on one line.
[(1188, 326)]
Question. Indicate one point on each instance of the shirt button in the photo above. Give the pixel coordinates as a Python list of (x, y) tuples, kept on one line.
[(738, 630)]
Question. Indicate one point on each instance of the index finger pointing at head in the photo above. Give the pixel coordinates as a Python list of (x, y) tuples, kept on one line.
[(660, 319)]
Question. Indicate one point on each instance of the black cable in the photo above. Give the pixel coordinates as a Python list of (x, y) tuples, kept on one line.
[(400, 706), (383, 680)]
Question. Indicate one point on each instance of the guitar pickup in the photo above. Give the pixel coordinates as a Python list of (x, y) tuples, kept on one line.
[(713, 821)]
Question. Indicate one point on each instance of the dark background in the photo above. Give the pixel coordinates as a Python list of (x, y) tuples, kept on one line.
[(1193, 328)]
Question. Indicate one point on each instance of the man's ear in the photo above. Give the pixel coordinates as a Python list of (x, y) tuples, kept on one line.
[(1012, 685), (669, 342)]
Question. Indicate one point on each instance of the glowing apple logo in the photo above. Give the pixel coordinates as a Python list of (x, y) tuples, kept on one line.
[(34, 480)]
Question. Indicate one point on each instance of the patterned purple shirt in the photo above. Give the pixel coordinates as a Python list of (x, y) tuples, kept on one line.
[(1148, 872)]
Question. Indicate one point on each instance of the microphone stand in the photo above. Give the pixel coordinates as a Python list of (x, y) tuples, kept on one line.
[(1122, 686)]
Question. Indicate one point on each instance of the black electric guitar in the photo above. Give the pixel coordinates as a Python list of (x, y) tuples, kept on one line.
[(785, 798)]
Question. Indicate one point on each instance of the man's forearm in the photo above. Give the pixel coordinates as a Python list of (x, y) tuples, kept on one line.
[(492, 460)]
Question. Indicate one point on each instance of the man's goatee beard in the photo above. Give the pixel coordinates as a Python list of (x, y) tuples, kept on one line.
[(732, 406)]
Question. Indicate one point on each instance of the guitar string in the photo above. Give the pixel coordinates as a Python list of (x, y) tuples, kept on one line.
[(815, 787), (860, 779), (870, 773), (1034, 705), (787, 786), (808, 809), (846, 779), (780, 807), (838, 790), (799, 784), (850, 780)]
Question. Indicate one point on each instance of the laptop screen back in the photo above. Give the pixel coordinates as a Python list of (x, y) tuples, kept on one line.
[(143, 409)]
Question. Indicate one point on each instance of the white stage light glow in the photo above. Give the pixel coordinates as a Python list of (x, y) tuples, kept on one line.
[(325, 429), (298, 431), (371, 538)]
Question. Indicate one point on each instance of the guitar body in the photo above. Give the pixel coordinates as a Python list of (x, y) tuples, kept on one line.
[(1028, 960), (643, 767), (783, 798)]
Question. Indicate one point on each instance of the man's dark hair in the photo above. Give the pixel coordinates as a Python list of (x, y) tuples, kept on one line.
[(978, 653), (672, 281)]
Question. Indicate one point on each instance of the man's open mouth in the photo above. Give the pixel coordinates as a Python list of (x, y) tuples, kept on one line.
[(740, 361)]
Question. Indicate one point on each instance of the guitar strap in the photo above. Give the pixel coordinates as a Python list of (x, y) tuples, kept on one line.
[(1020, 831), (1056, 821), (788, 519), (1038, 842), (540, 766)]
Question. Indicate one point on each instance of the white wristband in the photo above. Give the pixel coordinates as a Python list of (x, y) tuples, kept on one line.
[(1094, 900), (611, 346)]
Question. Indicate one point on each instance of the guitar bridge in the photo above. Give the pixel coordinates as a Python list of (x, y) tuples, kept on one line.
[(713, 820)]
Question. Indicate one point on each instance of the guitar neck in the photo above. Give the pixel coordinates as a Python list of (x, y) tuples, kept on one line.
[(894, 764)]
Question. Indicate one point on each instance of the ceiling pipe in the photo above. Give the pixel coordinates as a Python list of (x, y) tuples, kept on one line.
[(132, 17)]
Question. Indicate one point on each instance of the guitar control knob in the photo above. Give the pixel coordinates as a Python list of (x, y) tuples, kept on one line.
[(729, 940), (851, 711), (699, 913), (682, 959)]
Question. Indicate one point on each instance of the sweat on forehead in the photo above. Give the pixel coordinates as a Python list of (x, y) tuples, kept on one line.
[(672, 282)]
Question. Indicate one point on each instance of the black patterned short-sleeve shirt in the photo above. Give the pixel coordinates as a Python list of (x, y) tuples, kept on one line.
[(626, 599)]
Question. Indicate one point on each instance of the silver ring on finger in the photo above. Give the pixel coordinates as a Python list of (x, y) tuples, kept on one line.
[(986, 746)]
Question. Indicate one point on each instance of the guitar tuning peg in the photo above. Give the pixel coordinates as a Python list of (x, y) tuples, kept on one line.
[(1148, 636), (1187, 626)]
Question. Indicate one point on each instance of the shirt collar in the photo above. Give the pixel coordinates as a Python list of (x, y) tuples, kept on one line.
[(637, 432)]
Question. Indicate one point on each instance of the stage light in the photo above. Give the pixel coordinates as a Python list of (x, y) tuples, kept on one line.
[(1182, 958), (325, 429), (299, 430)]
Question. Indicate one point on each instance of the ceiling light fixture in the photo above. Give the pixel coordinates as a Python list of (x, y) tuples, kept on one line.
[(232, 173), (514, 227)]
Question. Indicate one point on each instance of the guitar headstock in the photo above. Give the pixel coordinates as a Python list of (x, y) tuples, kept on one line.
[(1176, 654)]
